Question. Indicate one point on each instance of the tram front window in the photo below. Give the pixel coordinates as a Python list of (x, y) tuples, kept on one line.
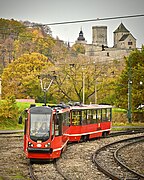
[(40, 127)]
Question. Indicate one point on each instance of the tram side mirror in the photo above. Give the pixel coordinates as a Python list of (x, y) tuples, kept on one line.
[(20, 120), (26, 110), (32, 105)]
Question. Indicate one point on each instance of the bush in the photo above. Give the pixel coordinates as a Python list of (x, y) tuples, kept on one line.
[(9, 109)]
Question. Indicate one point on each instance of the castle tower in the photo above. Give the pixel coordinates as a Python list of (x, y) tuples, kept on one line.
[(81, 39), (123, 38), (118, 33), (99, 35)]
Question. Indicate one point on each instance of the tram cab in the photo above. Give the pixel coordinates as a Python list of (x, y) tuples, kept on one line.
[(44, 132)]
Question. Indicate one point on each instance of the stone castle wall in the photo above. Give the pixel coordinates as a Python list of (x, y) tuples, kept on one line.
[(108, 54)]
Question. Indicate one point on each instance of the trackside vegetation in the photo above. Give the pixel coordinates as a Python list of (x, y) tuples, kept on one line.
[(10, 111)]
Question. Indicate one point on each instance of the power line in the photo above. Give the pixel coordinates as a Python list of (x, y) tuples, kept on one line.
[(80, 21), (97, 19)]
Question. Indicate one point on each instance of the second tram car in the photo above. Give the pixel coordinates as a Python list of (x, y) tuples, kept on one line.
[(45, 131), (89, 121)]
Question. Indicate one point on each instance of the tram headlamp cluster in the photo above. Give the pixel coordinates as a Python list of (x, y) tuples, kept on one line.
[(30, 144), (47, 145)]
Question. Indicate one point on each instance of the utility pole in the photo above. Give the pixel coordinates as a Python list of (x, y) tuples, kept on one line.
[(129, 91), (83, 87), (95, 85), (83, 83), (0, 89)]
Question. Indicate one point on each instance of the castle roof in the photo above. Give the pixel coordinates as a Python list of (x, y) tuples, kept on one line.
[(124, 37), (121, 28)]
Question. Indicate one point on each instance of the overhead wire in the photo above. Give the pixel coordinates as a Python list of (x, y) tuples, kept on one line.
[(97, 19), (81, 21)]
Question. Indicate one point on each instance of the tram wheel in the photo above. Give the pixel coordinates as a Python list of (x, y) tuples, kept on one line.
[(84, 138), (105, 134)]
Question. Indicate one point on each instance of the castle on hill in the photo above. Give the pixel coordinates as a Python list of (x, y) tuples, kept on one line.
[(124, 42)]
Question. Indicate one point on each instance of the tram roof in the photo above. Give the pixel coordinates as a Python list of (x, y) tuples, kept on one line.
[(90, 106)]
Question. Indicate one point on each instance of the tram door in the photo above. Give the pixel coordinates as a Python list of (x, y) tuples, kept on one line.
[(58, 125)]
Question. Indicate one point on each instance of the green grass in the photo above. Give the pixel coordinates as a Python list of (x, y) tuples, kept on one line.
[(24, 105), (8, 124), (119, 110), (122, 126), (18, 176)]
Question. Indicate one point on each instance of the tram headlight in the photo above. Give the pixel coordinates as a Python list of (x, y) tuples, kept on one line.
[(30, 144), (47, 145)]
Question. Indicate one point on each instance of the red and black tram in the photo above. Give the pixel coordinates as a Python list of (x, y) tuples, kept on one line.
[(45, 133), (89, 121)]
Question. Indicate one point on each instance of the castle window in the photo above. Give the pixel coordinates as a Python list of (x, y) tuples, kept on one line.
[(129, 43)]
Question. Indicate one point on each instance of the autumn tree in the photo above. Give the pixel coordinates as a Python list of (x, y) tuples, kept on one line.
[(21, 78), (18, 38), (81, 79), (76, 79), (33, 40), (78, 48), (133, 72), (10, 28), (9, 32), (107, 81)]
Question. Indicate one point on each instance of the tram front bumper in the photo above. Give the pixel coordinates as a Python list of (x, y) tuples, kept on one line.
[(40, 150)]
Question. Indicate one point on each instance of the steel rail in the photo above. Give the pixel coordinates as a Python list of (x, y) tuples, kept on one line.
[(32, 176), (58, 170), (100, 167), (121, 163)]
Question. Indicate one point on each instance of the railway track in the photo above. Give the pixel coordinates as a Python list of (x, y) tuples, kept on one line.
[(126, 132), (107, 159), (52, 170), (31, 171), (122, 149), (43, 170)]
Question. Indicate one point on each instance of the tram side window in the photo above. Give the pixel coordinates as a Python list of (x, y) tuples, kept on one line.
[(98, 115), (109, 114), (89, 116), (94, 113), (76, 117), (84, 117), (53, 124), (106, 115), (66, 118)]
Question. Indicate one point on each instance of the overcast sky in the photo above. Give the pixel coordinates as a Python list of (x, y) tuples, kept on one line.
[(50, 11)]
